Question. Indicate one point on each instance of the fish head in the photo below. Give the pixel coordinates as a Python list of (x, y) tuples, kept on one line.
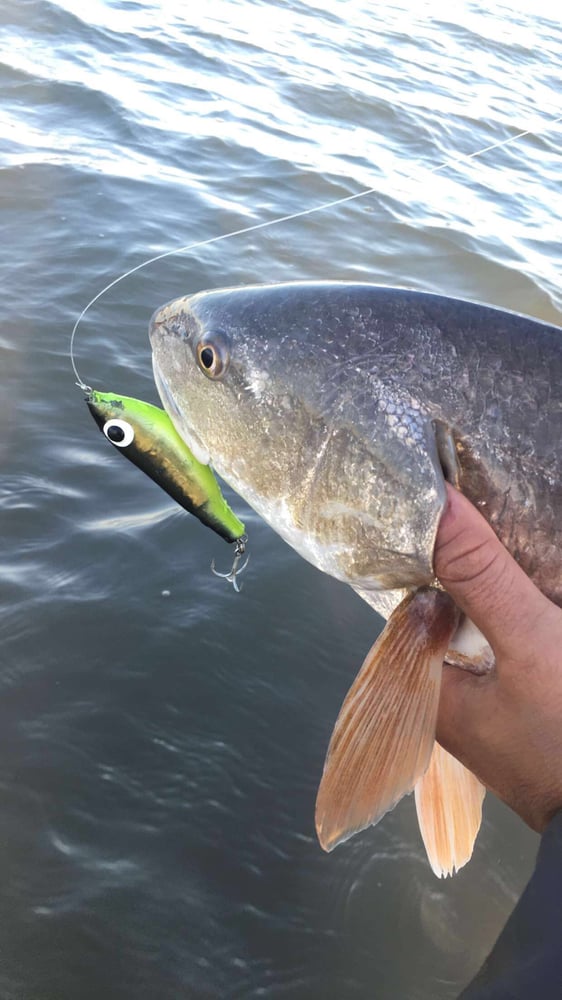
[(284, 389)]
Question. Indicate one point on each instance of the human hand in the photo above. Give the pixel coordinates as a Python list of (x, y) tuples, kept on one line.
[(505, 726)]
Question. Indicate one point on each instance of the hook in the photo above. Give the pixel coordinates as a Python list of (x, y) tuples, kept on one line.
[(236, 569)]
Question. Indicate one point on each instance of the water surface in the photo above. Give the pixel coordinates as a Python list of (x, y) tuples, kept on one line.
[(159, 755)]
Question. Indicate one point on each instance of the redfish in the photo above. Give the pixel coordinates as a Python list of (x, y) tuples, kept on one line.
[(339, 411)]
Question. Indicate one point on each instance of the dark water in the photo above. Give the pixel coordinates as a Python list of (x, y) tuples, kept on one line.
[(159, 755)]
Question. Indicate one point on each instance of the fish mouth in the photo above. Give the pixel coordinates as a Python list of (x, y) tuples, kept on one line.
[(177, 417)]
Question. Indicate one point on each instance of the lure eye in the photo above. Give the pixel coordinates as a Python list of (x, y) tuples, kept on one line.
[(213, 354), (119, 432)]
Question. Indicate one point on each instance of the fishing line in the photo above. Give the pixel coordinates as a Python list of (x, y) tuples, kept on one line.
[(278, 221)]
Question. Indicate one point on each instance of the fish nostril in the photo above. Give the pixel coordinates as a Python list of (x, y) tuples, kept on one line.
[(156, 325)]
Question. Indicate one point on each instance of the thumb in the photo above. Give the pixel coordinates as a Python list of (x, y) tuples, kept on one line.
[(484, 580)]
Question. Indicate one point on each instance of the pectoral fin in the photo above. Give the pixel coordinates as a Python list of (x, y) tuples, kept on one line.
[(449, 806), (384, 734)]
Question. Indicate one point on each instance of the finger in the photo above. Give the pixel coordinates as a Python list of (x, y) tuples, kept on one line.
[(484, 579)]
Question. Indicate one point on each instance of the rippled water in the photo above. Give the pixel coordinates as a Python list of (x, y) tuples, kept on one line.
[(159, 755)]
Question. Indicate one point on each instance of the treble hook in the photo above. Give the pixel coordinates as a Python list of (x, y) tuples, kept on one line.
[(236, 569)]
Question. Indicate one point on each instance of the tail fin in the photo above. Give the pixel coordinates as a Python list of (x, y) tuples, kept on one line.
[(449, 806)]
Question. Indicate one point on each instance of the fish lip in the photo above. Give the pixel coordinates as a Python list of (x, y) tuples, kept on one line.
[(177, 418)]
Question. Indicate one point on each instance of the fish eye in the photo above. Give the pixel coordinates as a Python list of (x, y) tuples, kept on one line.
[(213, 354), (119, 432)]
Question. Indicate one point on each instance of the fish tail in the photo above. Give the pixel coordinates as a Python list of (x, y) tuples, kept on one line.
[(449, 807)]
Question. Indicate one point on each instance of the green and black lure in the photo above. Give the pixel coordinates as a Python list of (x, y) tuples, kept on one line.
[(148, 438)]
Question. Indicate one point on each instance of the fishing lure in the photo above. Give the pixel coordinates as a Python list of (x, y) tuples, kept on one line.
[(147, 437)]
